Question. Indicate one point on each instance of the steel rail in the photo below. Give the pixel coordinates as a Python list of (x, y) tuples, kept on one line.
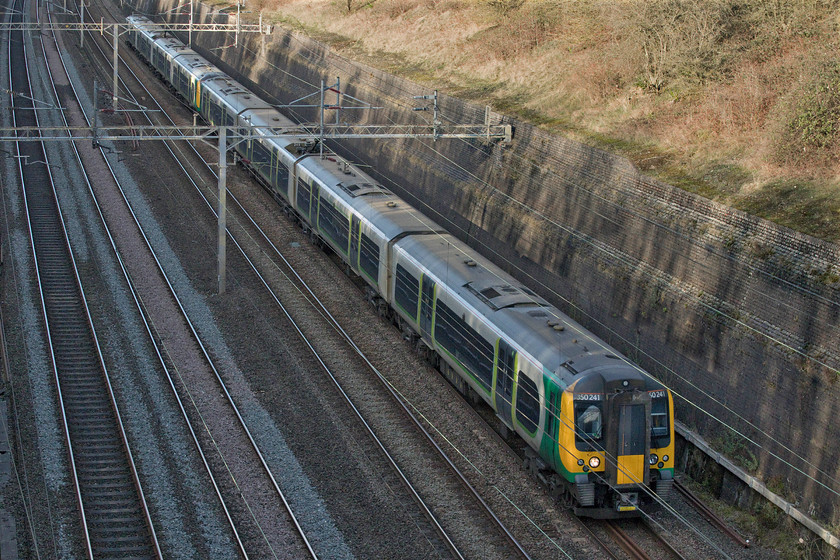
[(711, 516), (594, 536), (631, 547), (663, 541), (66, 428), (212, 366), (66, 317), (625, 541)]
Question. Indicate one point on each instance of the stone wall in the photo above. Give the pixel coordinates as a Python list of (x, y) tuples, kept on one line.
[(739, 316)]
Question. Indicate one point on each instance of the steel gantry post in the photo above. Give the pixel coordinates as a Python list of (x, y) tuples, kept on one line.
[(82, 27), (189, 36), (115, 91), (222, 248)]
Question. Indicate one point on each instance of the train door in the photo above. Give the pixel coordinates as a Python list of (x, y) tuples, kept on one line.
[(353, 257), (506, 366), (315, 206), (280, 181), (427, 306), (629, 443), (553, 423)]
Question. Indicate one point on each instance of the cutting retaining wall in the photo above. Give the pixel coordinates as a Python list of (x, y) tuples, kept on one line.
[(739, 316)]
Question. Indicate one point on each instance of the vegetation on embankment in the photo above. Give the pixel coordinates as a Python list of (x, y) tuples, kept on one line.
[(736, 100)]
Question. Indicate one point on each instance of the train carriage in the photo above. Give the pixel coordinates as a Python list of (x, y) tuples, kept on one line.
[(356, 216), (600, 431), (548, 379)]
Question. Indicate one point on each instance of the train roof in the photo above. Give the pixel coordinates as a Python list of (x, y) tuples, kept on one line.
[(267, 117), (384, 210), (558, 343)]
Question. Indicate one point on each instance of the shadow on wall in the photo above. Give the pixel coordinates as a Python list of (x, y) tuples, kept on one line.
[(723, 307)]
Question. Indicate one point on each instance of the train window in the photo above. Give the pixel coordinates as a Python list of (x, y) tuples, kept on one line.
[(660, 430), (427, 305), (506, 369), (463, 343), (261, 159), (407, 292), (303, 197), (281, 180), (588, 425), (369, 258), (527, 403), (180, 81), (205, 101), (631, 429), (334, 224), (214, 111)]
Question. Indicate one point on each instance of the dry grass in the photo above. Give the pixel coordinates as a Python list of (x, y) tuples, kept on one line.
[(724, 93)]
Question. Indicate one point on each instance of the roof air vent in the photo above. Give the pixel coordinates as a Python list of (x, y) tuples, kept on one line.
[(470, 262), (391, 204)]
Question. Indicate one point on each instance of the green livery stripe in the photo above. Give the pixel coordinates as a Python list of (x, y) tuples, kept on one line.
[(462, 367)]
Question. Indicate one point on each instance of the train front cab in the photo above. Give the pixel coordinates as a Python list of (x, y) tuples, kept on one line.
[(616, 444)]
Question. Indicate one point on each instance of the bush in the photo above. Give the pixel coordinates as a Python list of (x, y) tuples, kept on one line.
[(682, 38), (505, 7), (521, 27), (810, 128)]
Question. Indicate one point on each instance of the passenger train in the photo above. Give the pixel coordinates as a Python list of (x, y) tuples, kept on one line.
[(600, 431)]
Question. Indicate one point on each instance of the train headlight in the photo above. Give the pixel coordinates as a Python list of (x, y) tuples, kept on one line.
[(653, 459), (580, 462), (665, 458), (594, 462)]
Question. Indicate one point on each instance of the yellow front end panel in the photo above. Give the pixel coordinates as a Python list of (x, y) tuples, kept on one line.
[(631, 469)]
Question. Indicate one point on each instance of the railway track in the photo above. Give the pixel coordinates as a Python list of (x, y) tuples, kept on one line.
[(241, 493), (640, 541), (114, 515), (442, 532), (710, 516), (209, 202), (455, 553)]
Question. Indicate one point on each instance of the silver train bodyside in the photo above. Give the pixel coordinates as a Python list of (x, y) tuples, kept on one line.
[(599, 429)]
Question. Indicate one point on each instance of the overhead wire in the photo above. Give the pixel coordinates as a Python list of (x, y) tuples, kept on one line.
[(615, 254), (491, 194), (683, 397), (620, 208), (537, 395)]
